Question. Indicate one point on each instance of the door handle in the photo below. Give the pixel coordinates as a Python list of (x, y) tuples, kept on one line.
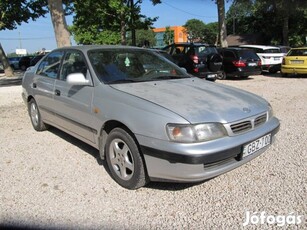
[(34, 85), (57, 92)]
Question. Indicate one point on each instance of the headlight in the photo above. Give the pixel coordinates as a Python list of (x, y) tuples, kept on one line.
[(270, 112), (195, 133)]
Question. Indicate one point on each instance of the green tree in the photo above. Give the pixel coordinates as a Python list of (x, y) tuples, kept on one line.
[(278, 21), (168, 36), (144, 38), (212, 32), (118, 16), (195, 30), (13, 13)]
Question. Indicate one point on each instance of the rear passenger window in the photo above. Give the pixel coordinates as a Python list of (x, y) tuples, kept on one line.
[(50, 66)]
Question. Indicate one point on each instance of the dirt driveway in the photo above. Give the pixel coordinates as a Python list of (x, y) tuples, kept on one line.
[(51, 180)]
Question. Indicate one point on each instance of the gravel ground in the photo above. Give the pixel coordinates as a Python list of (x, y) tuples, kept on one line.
[(51, 180)]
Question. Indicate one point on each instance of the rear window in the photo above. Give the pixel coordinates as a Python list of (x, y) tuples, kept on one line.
[(205, 50), (302, 52), (272, 51), (247, 54)]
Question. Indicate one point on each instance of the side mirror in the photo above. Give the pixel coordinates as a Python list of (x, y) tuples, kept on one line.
[(77, 79)]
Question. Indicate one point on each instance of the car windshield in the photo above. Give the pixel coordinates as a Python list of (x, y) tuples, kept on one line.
[(297, 52), (132, 65)]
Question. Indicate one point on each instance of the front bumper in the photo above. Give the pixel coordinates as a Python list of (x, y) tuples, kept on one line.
[(200, 161)]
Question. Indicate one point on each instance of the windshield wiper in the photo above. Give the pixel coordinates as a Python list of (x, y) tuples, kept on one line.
[(165, 77), (121, 81)]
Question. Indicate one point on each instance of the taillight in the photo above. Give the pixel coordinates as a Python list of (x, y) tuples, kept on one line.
[(239, 63), (194, 58), (283, 61), (259, 63)]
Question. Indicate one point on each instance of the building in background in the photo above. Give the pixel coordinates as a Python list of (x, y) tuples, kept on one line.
[(179, 35)]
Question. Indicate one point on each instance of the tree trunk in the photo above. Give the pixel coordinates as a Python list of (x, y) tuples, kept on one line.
[(222, 23), (8, 71), (123, 30), (62, 34), (285, 28)]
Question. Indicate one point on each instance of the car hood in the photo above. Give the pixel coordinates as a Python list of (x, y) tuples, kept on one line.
[(198, 100)]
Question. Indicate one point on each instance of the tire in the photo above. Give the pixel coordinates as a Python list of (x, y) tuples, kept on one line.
[(214, 62), (124, 160), (221, 75), (35, 116)]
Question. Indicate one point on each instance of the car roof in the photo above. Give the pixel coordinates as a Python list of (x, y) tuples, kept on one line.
[(260, 47), (191, 44), (90, 47), (299, 48)]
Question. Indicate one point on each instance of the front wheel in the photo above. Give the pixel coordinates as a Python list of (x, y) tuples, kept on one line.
[(124, 160), (35, 116)]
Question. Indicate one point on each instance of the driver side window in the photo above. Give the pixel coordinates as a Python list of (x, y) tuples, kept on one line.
[(74, 62)]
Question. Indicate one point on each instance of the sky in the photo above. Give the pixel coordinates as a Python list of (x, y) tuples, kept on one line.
[(36, 35)]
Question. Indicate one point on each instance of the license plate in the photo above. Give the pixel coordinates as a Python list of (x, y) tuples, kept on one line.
[(252, 64), (256, 145), (297, 62), (211, 76), (276, 59)]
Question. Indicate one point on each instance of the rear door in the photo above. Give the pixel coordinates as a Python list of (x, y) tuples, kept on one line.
[(43, 84)]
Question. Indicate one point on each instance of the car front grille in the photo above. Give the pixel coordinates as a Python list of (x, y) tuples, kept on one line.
[(241, 127), (260, 120), (246, 125)]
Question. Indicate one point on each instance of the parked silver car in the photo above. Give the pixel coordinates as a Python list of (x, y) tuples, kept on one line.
[(150, 120)]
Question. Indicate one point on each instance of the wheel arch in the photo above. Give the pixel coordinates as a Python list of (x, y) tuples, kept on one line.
[(106, 129)]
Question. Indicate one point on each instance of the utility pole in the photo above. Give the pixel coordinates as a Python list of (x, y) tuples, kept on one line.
[(20, 47)]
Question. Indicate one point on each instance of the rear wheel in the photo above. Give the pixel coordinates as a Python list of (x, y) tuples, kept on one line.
[(124, 160), (35, 116), (221, 75)]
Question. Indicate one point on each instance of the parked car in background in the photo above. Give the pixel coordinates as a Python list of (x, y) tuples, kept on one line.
[(35, 59), (24, 62), (240, 62), (295, 62), (271, 56), (1, 67), (14, 62), (165, 54), (149, 118), (200, 60), (30, 60)]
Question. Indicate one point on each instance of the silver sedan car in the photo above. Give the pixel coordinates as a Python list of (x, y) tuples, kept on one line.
[(149, 119)]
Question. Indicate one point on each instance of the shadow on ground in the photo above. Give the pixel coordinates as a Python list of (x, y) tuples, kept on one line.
[(11, 81), (169, 186)]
